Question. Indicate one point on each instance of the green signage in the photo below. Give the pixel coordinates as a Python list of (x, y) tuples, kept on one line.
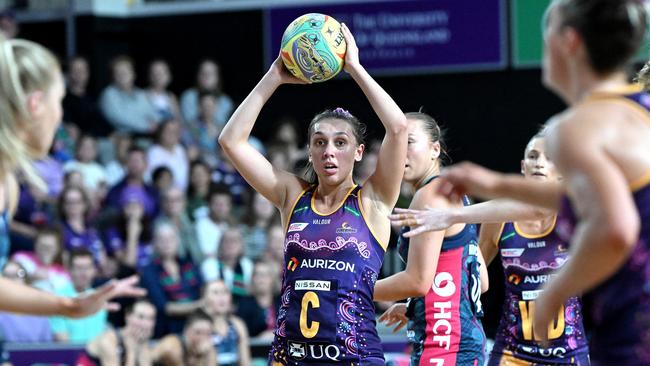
[(526, 31)]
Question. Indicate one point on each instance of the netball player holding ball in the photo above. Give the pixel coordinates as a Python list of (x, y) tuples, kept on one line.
[(336, 230)]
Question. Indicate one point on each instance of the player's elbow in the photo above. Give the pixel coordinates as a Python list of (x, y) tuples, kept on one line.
[(399, 127), (421, 287), (224, 140), (622, 232)]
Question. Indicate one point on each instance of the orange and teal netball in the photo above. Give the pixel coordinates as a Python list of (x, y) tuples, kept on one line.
[(313, 47)]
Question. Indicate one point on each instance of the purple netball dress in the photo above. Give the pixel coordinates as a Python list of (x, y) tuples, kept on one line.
[(620, 306), (327, 314), (528, 263)]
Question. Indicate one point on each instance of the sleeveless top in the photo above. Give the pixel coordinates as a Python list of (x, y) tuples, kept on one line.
[(227, 347), (528, 263), (443, 326), (327, 314), (5, 244), (620, 306)]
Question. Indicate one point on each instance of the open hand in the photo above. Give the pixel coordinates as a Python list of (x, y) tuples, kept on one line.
[(467, 178), (421, 221), (352, 53), (280, 73), (91, 303), (396, 314)]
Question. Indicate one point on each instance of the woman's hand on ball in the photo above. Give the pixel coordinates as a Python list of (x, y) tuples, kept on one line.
[(280, 73), (352, 52)]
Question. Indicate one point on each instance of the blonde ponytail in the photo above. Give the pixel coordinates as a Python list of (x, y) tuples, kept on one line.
[(24, 67)]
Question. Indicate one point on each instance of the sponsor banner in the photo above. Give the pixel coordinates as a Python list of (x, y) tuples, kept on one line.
[(397, 37)]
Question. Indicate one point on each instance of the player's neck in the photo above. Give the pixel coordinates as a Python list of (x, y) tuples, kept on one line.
[(591, 84), (332, 195)]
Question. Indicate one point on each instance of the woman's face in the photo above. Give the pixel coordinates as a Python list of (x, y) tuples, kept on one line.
[(200, 176), (74, 204), (166, 242), (159, 75), (47, 248), (263, 278), (333, 150), (174, 202), (218, 299), (232, 245), (536, 164), (123, 75), (171, 134), (262, 208), (421, 152), (142, 320), (208, 76), (87, 150), (79, 72), (198, 336)]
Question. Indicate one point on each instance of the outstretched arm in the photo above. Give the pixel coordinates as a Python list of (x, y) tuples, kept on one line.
[(475, 180), (23, 299), (384, 183), (272, 183), (494, 211)]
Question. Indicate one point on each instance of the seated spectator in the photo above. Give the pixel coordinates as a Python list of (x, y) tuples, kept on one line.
[(130, 239), (73, 207), (168, 151), (173, 211), (162, 178), (259, 310), (44, 264), (126, 346), (85, 162), (163, 100), (210, 228), (200, 135), (231, 265), (229, 334), (51, 171), (173, 284), (226, 174), (260, 214), (22, 328), (198, 190), (127, 107), (136, 166), (79, 107), (116, 169), (82, 271), (9, 26), (274, 254), (35, 210), (192, 348), (208, 79), (286, 136)]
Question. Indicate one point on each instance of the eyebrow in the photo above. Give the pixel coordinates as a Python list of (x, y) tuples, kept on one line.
[(339, 133)]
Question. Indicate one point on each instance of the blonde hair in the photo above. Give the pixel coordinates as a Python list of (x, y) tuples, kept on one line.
[(24, 67), (643, 77)]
